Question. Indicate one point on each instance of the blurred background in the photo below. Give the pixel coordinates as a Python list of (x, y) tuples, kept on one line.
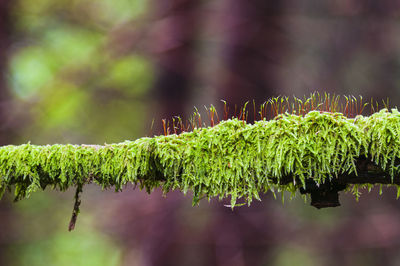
[(100, 71)]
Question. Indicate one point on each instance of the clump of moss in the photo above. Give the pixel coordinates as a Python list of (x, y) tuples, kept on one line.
[(232, 159), (382, 132), (308, 144)]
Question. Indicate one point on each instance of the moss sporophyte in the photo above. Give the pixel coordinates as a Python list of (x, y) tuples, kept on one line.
[(307, 145)]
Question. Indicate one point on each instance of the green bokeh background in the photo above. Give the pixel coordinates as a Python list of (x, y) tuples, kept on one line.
[(82, 71), (69, 85)]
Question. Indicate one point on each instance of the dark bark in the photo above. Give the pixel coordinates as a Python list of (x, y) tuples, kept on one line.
[(326, 194)]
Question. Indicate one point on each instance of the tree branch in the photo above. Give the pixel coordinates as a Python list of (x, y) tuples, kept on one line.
[(320, 153)]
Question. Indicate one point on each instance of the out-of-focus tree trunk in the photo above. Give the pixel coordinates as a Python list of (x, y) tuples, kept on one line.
[(250, 58), (152, 225), (251, 54), (176, 35), (252, 51), (174, 43), (253, 47), (370, 35), (5, 136), (5, 39)]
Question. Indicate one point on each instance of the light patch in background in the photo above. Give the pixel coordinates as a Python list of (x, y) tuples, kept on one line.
[(64, 248), (35, 66), (295, 255)]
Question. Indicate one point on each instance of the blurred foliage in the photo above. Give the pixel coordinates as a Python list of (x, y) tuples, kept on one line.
[(295, 255), (71, 83), (43, 240), (73, 87), (34, 16), (63, 248)]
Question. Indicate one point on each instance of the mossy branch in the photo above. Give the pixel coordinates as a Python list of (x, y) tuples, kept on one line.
[(232, 159)]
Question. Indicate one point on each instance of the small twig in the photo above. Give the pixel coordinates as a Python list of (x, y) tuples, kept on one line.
[(76, 210)]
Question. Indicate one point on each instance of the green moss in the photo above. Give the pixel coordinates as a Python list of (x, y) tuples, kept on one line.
[(232, 159)]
